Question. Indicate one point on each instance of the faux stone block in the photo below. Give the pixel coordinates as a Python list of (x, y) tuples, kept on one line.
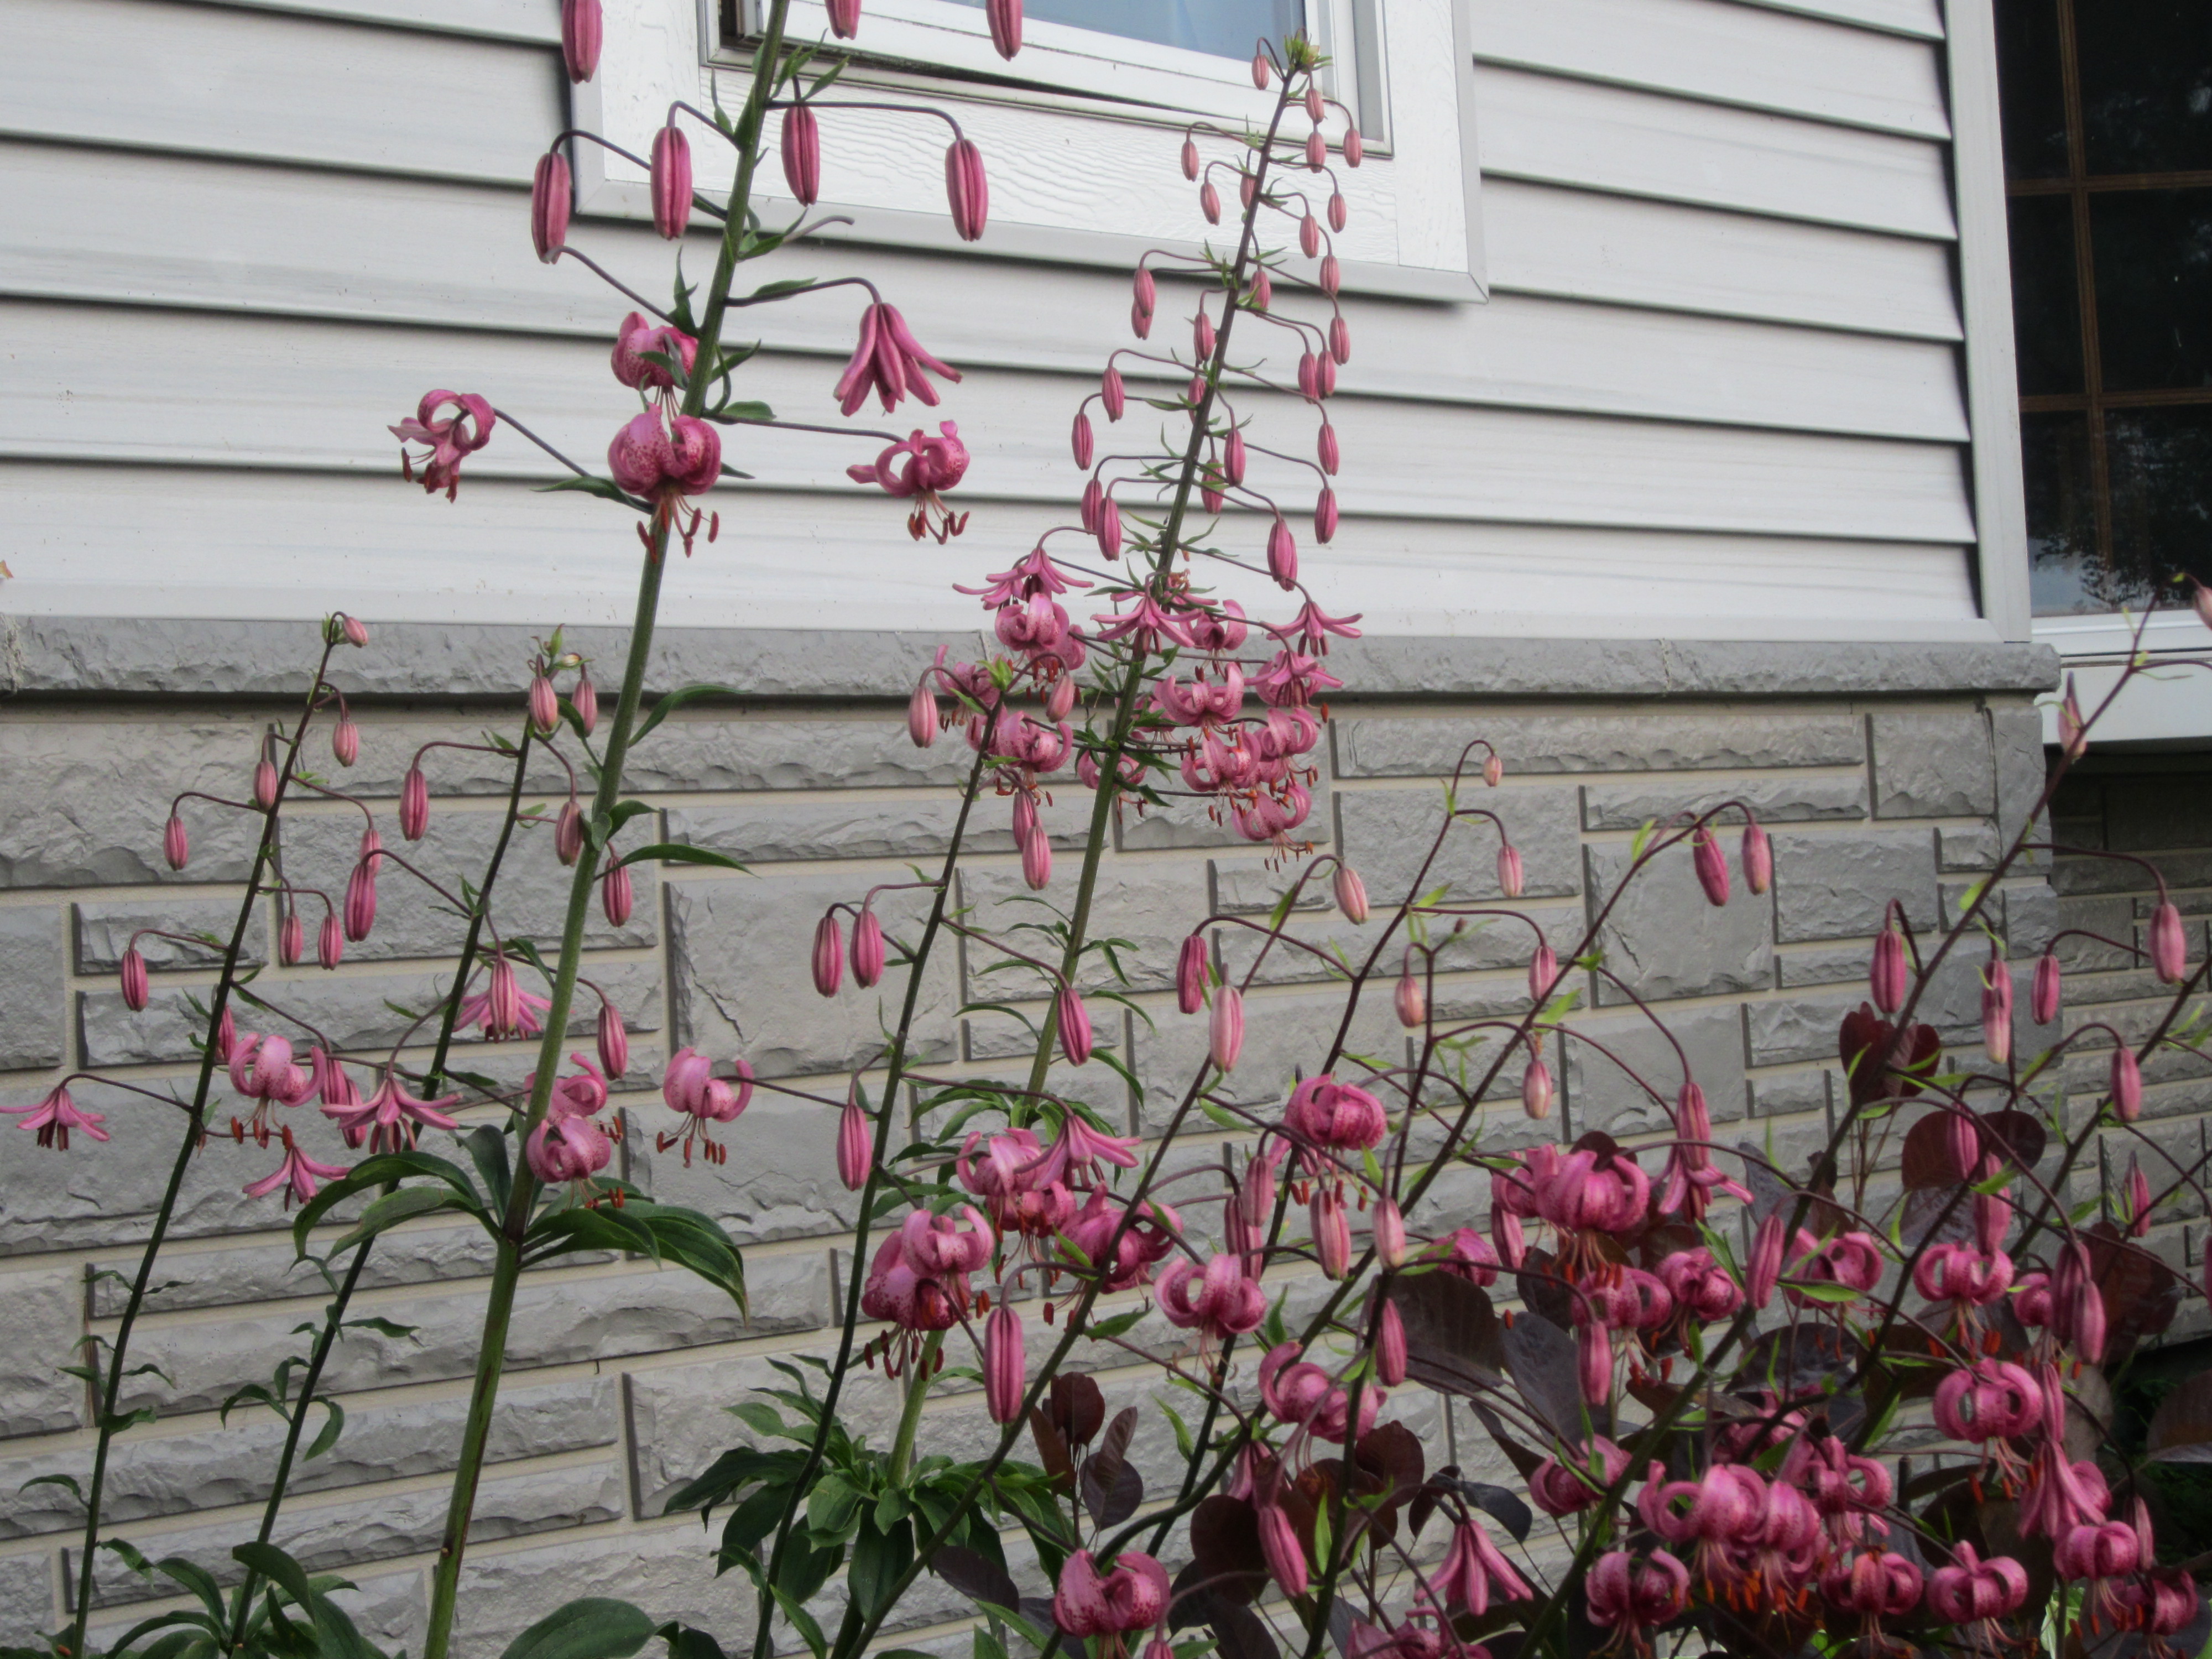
[(1967, 847), (1387, 834), (2072, 876), (1933, 763), (1254, 886), (151, 1474), (869, 751), (530, 900), (1153, 904), (667, 1568), (1666, 940), (1607, 740), (1785, 797), (104, 926), (266, 1273), (2017, 747), (87, 802), (2031, 915), (32, 1003), (740, 950), (1786, 1094), (46, 1322), (919, 827), (781, 1181), (27, 1596), (2101, 932), (1599, 1094), (1839, 885)]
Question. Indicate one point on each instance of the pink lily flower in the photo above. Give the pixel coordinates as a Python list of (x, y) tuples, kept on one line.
[(890, 363), (449, 437), (300, 1175), (55, 1115), (389, 1120), (931, 466)]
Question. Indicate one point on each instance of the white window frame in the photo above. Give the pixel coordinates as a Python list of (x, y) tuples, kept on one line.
[(1415, 228)]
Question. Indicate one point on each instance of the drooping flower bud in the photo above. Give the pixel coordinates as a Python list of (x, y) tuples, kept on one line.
[(1511, 875), (568, 833), (361, 901), (134, 979), (1765, 1270), (291, 938), (801, 149), (1536, 1090), (1711, 865), (1260, 75), (345, 741), (1109, 528), (1409, 1001), (1233, 456), (2139, 1200), (1350, 893), (867, 948), (1390, 1225), (613, 1041), (1036, 860), (1081, 442), (1887, 975), (1190, 975), (1075, 1034), (2169, 952), (1316, 152), (2077, 1305), (922, 717), (1328, 455), (1758, 858), (355, 631), (1962, 1142), (545, 705), (1997, 1009), (1332, 274), (967, 192), (1006, 1363), (1201, 334), (855, 1144), (330, 941), (1390, 1354), (581, 28), (2126, 1084), (265, 783), (1209, 203), (1325, 516), (1310, 236), (617, 897), (176, 845), (2073, 730), (584, 699), (671, 182), (1543, 970), (844, 17), (1190, 158), (414, 804), (1354, 150), (1340, 214), (1060, 702), (1282, 555), (1332, 1229), (1224, 1030), (829, 955)]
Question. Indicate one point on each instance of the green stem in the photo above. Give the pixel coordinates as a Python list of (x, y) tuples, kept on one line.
[(241, 1602), (917, 1390), (195, 1120)]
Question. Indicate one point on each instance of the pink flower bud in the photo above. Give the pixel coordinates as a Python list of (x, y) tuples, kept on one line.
[(1282, 555), (1209, 203), (1511, 876), (291, 938), (1332, 1230), (1190, 975), (1390, 1347), (1997, 1010), (1758, 858), (1536, 1090), (1112, 397), (2043, 996), (1094, 497), (2169, 952), (967, 192), (1036, 860), (617, 896), (502, 1001), (1332, 274), (1543, 970), (801, 149), (1493, 771), (1316, 107), (585, 699), (1006, 21), (414, 804), (1201, 334), (1109, 528), (1260, 75), (922, 717), (330, 942), (2139, 1201), (1233, 456), (856, 1148), (1325, 444), (1006, 1363), (1339, 340), (1350, 893), (345, 741), (1075, 1035), (1410, 1002), (1060, 702), (2072, 729), (580, 30), (568, 833), (1325, 516), (134, 979), (1887, 975), (867, 948), (1225, 1029), (2126, 1084), (1190, 158), (829, 955), (844, 17), (613, 1041), (357, 631), (361, 901), (265, 783), (176, 845), (1389, 1233), (1310, 236), (1081, 442), (1316, 152), (1711, 865), (1340, 214), (1593, 1360), (1765, 1270), (551, 195), (671, 182), (545, 705)]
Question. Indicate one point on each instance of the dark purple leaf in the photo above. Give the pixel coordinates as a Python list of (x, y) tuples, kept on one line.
[(1240, 1633), (1076, 1407), (1452, 1332), (1541, 1358), (975, 1576), (1936, 1215)]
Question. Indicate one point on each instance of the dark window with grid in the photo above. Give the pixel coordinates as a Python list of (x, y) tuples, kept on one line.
[(2108, 164)]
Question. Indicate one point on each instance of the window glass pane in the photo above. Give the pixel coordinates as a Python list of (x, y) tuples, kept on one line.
[(2046, 313), (2161, 471), (2029, 89), (2153, 263), (2062, 523), (2146, 68), (1226, 28)]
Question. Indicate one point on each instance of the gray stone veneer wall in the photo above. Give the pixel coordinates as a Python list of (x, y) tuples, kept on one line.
[(1881, 772)]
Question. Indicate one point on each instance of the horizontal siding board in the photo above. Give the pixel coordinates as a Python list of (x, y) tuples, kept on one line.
[(183, 543), (1579, 244), (537, 21), (1553, 130), (1921, 19), (1725, 53), (215, 80), (149, 388)]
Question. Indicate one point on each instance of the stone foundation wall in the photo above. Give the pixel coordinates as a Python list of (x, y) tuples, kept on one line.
[(1876, 783)]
